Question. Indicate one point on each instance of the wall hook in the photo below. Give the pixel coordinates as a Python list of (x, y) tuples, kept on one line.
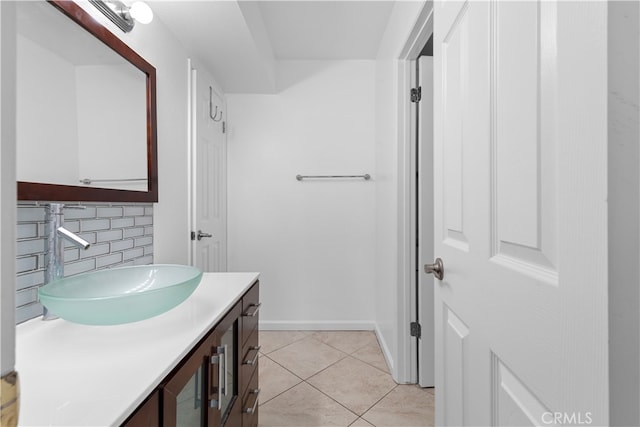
[(214, 116)]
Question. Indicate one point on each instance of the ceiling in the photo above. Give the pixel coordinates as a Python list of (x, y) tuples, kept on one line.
[(240, 42), (325, 29)]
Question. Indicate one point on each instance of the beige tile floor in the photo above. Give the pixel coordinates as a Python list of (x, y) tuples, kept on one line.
[(334, 379)]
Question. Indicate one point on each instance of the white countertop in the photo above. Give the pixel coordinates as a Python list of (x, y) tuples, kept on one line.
[(77, 375)]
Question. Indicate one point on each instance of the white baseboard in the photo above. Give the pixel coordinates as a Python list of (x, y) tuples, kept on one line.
[(385, 351), (320, 325)]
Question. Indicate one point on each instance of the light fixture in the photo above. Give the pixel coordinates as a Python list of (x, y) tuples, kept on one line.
[(122, 15)]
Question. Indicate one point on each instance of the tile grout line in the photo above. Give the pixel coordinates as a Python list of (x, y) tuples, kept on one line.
[(317, 389), (323, 369), (325, 394), (332, 398), (355, 351), (379, 400), (284, 391), (344, 356), (285, 345), (373, 366), (369, 408)]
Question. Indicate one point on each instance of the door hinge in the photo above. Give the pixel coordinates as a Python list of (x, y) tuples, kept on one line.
[(416, 94), (416, 330), (224, 127), (193, 235)]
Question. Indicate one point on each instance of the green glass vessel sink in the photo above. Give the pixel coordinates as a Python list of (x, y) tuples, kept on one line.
[(120, 295)]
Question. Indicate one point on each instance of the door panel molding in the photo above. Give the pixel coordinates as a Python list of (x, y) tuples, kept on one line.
[(454, 52), (523, 140), (455, 336), (513, 404)]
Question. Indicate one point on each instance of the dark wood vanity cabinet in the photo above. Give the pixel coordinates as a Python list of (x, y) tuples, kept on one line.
[(250, 357), (216, 384), (147, 414)]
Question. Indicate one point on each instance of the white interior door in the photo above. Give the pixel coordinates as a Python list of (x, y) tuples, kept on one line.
[(426, 364), (520, 164), (210, 175)]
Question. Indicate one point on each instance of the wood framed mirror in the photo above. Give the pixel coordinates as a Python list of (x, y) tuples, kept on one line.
[(101, 114)]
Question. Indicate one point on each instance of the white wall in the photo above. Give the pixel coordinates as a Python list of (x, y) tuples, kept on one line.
[(46, 115), (389, 217), (155, 43), (312, 241), (7, 186), (624, 211)]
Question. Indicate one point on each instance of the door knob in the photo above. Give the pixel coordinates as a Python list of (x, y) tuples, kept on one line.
[(437, 268), (201, 235)]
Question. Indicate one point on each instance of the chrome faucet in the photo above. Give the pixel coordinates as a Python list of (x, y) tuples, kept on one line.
[(54, 228)]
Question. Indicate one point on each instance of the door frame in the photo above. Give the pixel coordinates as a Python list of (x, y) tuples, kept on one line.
[(407, 195)]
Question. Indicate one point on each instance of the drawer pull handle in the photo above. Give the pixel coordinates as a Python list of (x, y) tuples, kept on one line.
[(256, 308), (252, 409), (255, 358)]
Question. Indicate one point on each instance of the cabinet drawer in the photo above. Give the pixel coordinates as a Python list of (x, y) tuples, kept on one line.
[(249, 359), (250, 308), (250, 403)]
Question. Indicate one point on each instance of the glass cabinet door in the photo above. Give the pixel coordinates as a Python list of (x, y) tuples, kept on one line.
[(189, 402), (203, 390), (183, 404)]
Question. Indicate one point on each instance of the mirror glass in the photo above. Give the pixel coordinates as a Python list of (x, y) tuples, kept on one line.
[(83, 110)]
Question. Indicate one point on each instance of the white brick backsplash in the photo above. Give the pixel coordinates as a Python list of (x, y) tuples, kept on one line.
[(87, 212), (122, 222), (110, 212), (30, 279), (27, 231), (89, 237), (120, 235), (96, 224), (31, 214), (133, 253), (133, 232), (143, 261), (107, 236), (144, 241), (133, 210), (103, 261), (27, 312), (144, 220), (72, 226), (73, 268), (28, 263), (121, 245), (28, 247), (95, 250), (26, 296), (71, 254)]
